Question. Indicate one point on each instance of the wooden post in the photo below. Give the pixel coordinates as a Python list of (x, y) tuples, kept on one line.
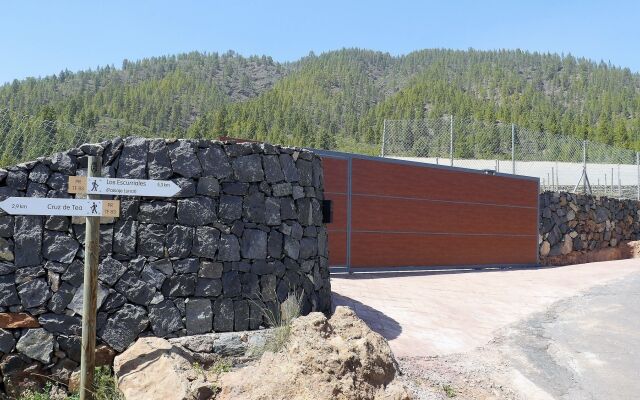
[(89, 300)]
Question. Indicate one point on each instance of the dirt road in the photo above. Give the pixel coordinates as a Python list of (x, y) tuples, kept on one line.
[(580, 341)]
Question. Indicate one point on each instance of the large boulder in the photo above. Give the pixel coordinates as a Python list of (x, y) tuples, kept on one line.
[(337, 358), (154, 369)]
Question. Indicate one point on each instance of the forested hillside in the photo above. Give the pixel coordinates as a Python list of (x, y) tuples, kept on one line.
[(163, 94), (335, 100)]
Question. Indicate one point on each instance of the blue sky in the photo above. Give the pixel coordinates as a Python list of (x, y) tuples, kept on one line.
[(43, 37)]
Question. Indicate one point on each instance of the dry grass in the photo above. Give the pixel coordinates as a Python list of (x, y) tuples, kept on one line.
[(280, 320)]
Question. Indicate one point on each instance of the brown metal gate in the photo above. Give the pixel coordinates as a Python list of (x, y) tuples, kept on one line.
[(394, 214)]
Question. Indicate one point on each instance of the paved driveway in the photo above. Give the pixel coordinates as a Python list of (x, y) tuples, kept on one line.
[(424, 314), (584, 347)]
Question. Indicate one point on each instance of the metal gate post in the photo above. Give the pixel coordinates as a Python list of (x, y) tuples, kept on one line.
[(451, 140)]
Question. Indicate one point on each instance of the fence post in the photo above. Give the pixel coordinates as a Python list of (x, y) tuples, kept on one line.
[(638, 173), (451, 140), (384, 135), (619, 183), (611, 191), (584, 166), (513, 149), (349, 196), (549, 181)]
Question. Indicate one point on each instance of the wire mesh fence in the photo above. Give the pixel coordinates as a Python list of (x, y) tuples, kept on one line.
[(27, 138), (560, 162)]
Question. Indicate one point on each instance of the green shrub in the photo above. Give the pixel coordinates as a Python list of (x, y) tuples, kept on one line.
[(105, 385)]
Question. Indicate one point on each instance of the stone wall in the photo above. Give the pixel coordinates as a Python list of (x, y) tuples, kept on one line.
[(574, 225), (246, 228)]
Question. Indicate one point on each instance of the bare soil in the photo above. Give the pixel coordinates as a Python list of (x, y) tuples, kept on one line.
[(461, 376)]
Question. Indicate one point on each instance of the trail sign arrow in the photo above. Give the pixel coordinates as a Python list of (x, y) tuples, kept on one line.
[(67, 207), (122, 187)]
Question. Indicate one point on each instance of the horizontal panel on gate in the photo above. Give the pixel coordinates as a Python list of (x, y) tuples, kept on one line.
[(394, 179), (335, 174), (374, 213), (337, 247), (421, 250)]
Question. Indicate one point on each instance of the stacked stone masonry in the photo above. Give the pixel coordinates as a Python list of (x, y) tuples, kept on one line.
[(245, 230), (574, 223)]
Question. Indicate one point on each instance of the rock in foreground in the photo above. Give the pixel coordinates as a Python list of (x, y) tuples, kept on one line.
[(154, 369), (337, 358)]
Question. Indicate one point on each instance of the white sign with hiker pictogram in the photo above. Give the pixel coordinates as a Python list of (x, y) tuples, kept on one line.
[(67, 207), (122, 187)]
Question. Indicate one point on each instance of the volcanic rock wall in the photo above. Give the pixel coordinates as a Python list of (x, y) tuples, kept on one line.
[(572, 225), (245, 229)]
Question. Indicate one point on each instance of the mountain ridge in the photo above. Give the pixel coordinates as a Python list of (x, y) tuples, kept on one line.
[(338, 99)]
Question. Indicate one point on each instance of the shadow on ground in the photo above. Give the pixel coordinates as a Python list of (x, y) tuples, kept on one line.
[(379, 322)]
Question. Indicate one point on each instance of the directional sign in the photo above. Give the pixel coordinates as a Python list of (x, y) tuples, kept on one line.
[(69, 207), (122, 187)]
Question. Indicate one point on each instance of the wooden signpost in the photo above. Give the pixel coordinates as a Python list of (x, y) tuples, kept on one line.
[(92, 208), (90, 292)]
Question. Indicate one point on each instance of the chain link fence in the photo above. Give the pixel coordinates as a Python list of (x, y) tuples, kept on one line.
[(26, 138), (561, 162)]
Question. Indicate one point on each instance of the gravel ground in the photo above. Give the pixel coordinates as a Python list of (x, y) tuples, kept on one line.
[(461, 376)]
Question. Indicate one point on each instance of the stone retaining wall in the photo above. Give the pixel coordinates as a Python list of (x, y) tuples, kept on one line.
[(245, 228), (572, 225)]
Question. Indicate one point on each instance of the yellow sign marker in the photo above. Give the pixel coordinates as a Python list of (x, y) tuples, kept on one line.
[(110, 208), (77, 184)]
